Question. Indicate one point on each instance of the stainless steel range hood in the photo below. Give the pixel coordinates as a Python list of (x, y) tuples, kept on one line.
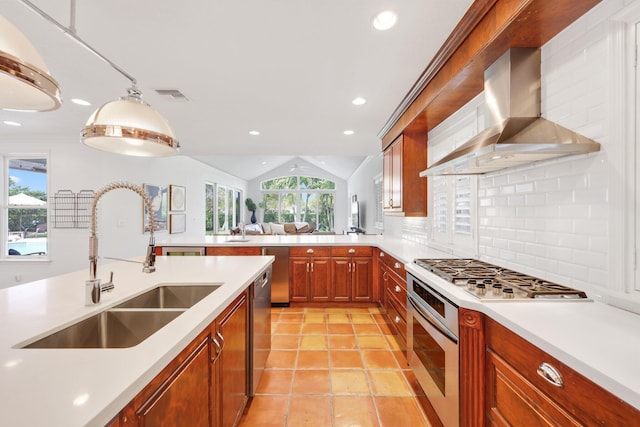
[(512, 93)]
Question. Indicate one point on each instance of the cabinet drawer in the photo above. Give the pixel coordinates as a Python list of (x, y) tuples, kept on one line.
[(577, 393), (397, 289), (397, 314), (393, 264), (352, 251), (310, 251)]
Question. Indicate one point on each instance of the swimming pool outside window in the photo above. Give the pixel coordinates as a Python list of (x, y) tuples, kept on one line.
[(26, 207)]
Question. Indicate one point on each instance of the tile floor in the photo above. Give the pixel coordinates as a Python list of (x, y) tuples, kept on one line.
[(334, 367)]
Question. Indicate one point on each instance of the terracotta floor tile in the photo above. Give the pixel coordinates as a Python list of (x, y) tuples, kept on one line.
[(359, 310), (379, 318), (349, 382), (311, 381), (345, 342), (338, 318), (340, 328), (413, 382), (314, 310), (393, 343), (372, 342), (399, 411), (386, 330), (389, 383), (313, 360), (275, 381), (361, 318), (336, 310), (293, 309), (350, 411), (283, 359), (341, 359), (313, 342), (379, 359), (291, 317), (374, 310), (314, 329), (284, 342), (274, 317), (287, 328), (315, 318), (309, 411), (366, 329), (266, 411)]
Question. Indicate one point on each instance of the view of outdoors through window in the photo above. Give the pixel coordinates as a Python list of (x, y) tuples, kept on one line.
[(27, 207), (299, 199), (222, 203)]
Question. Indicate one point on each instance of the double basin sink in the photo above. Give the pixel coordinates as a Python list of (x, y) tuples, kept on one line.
[(130, 322)]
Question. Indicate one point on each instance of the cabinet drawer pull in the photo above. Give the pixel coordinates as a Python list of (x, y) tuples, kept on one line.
[(309, 251), (307, 267), (390, 203), (349, 267), (396, 265), (381, 254), (397, 319), (352, 251), (550, 374), (312, 267), (397, 288)]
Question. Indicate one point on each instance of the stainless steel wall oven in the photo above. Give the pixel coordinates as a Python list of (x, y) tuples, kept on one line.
[(432, 347)]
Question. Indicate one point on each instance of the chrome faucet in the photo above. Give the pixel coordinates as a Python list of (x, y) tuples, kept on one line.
[(93, 289)]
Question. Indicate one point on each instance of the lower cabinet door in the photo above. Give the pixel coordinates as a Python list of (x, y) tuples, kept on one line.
[(341, 279), (362, 274), (319, 278), (183, 399), (299, 268)]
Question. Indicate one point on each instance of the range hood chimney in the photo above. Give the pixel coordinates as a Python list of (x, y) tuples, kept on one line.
[(512, 94)]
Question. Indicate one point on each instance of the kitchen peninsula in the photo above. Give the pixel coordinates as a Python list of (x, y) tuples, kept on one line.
[(78, 387)]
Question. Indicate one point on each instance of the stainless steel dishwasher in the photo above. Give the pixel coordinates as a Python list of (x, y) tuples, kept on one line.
[(280, 279), (260, 328)]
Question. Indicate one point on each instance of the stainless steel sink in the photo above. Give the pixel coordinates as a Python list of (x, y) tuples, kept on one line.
[(109, 329), (171, 296), (236, 240)]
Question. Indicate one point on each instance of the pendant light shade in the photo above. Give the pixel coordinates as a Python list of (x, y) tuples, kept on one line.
[(130, 126), (25, 82)]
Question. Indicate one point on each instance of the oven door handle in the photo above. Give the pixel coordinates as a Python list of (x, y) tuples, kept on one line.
[(429, 318)]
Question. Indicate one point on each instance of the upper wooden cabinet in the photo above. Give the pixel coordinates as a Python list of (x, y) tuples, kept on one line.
[(405, 192)]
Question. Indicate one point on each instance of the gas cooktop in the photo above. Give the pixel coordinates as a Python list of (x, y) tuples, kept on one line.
[(490, 282)]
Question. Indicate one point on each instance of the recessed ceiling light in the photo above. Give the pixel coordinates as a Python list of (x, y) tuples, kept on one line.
[(80, 102), (385, 20), (358, 101), (348, 132), (254, 133), (264, 163), (10, 123)]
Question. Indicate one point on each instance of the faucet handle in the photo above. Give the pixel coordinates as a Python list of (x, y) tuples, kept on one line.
[(108, 287), (92, 291)]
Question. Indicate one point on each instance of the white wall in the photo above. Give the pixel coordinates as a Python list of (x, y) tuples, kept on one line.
[(341, 197), (76, 167), (360, 183)]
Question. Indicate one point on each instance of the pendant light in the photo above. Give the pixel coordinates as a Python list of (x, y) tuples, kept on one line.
[(25, 82), (127, 125)]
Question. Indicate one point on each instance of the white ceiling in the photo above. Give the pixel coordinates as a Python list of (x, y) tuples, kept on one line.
[(287, 68)]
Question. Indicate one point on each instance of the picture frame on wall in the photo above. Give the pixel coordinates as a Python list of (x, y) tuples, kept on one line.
[(160, 206), (177, 223), (177, 198)]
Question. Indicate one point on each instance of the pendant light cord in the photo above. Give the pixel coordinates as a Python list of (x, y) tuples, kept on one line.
[(71, 32)]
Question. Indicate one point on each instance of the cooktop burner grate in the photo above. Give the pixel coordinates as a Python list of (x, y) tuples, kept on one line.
[(480, 276)]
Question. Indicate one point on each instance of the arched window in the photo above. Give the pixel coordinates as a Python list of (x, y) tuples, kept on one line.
[(299, 199)]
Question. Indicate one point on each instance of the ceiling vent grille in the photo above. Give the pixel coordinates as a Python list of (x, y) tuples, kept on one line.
[(172, 95)]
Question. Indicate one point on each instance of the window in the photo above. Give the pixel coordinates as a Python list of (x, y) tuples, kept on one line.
[(26, 207), (222, 209), (299, 199)]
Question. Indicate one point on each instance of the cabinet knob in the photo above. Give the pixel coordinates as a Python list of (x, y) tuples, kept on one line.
[(381, 254), (397, 319), (397, 288), (309, 251), (352, 251), (550, 374), (397, 265)]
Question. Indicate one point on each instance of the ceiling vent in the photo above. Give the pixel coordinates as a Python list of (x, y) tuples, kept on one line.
[(172, 95)]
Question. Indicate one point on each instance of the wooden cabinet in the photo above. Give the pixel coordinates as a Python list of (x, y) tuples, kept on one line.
[(352, 273), (205, 385), (309, 273), (394, 295), (526, 386), (404, 191), (230, 363)]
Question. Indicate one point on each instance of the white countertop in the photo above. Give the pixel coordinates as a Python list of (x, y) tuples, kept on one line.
[(77, 387)]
